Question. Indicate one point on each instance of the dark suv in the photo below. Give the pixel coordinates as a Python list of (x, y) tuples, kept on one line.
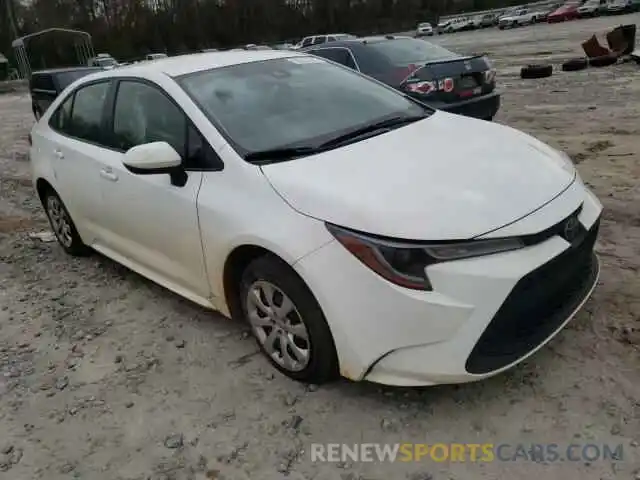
[(46, 85)]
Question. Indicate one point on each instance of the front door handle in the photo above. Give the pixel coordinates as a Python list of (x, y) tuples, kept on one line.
[(108, 174), (58, 154)]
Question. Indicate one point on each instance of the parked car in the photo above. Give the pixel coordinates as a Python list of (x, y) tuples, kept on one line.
[(422, 70), (103, 60), (485, 21), (424, 29), (155, 56), (46, 85), (507, 13), (318, 39), (402, 255), (521, 17), (623, 6), (593, 8), (568, 11), (543, 14), (457, 25)]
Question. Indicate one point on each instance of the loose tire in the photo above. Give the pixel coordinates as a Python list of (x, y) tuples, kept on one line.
[(536, 71), (63, 226), (287, 321), (575, 64), (603, 61)]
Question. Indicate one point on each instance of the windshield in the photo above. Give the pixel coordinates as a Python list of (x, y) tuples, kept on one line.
[(407, 51), (291, 102)]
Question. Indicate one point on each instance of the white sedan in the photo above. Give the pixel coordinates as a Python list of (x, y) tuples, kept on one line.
[(359, 232), (424, 29)]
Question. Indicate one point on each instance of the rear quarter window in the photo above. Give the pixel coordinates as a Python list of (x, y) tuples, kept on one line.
[(42, 82)]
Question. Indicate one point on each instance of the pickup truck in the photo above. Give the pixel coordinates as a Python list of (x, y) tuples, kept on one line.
[(520, 17)]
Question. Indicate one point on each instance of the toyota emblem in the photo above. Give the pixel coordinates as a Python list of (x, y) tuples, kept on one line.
[(571, 229)]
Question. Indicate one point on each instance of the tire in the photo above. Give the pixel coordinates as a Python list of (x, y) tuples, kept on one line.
[(575, 64), (63, 226), (603, 61), (536, 71), (268, 273)]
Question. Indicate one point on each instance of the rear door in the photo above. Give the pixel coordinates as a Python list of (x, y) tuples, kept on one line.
[(75, 144)]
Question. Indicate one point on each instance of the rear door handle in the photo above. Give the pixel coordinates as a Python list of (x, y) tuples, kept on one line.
[(108, 174), (58, 154)]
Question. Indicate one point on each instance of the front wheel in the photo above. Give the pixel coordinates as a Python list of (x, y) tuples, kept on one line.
[(287, 321), (63, 226)]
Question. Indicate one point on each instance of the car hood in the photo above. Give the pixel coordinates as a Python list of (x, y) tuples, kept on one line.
[(443, 178)]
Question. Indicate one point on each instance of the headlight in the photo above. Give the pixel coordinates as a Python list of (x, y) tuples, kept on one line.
[(405, 263)]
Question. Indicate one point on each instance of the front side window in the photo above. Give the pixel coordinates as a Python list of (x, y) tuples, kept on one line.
[(143, 114), (291, 101), (86, 116), (307, 41)]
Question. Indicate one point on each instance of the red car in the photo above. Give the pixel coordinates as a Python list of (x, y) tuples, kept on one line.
[(568, 11)]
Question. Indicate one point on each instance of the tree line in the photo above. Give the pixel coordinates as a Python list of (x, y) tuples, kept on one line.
[(131, 28)]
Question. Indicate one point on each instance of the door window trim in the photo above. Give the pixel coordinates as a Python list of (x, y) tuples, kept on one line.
[(112, 98), (355, 62)]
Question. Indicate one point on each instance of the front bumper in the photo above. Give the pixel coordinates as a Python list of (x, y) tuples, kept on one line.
[(485, 314), (484, 107)]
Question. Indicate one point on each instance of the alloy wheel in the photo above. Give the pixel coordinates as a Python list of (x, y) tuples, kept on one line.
[(60, 221), (278, 326)]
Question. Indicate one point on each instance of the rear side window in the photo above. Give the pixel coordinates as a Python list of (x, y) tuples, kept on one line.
[(86, 115), (407, 51), (338, 55), (42, 82), (61, 119)]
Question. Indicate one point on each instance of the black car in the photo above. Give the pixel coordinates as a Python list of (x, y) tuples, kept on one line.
[(46, 85), (422, 70)]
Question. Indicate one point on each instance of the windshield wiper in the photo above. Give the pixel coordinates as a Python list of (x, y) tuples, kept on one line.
[(288, 153), (280, 154), (377, 127)]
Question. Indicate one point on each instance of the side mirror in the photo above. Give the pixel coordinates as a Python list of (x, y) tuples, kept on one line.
[(156, 158)]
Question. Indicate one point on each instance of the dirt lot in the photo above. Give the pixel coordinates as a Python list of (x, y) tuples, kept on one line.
[(104, 375)]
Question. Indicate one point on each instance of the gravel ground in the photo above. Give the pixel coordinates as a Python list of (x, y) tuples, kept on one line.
[(104, 375)]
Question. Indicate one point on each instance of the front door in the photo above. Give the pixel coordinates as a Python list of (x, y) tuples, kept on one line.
[(150, 224)]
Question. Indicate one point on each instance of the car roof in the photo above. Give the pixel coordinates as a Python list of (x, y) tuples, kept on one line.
[(193, 63), (53, 71), (350, 42)]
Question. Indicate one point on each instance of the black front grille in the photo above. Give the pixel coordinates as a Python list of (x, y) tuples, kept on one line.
[(537, 306)]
